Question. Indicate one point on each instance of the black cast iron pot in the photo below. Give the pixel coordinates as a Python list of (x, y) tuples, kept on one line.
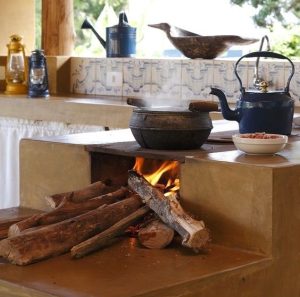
[(170, 128)]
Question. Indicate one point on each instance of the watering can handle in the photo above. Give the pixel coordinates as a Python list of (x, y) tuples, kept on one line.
[(265, 54), (122, 18)]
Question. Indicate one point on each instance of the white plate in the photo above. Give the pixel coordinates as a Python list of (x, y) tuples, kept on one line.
[(258, 145)]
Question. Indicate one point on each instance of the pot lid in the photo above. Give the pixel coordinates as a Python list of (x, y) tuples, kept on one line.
[(190, 106)]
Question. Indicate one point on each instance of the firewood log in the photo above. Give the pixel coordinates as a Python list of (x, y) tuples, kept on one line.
[(59, 238), (67, 209), (5, 225), (156, 235), (12, 215), (93, 190), (109, 236), (193, 232)]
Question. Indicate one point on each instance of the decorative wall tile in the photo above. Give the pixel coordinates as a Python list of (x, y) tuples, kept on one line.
[(166, 79), (197, 78), (276, 75), (136, 77), (225, 79), (295, 82), (176, 79), (109, 77), (82, 75)]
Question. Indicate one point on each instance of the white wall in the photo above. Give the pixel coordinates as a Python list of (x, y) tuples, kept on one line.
[(17, 17)]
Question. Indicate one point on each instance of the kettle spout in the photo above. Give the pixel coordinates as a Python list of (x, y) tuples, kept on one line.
[(87, 25), (227, 113)]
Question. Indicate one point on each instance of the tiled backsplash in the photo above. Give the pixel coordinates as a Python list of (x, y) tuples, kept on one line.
[(175, 78)]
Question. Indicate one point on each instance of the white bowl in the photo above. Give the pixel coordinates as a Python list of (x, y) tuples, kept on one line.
[(244, 143)]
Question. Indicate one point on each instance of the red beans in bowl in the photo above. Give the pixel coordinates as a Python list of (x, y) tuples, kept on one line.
[(260, 135)]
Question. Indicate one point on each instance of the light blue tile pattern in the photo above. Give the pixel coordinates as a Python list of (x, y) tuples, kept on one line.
[(83, 75), (295, 83), (276, 71), (225, 79), (166, 79), (177, 78), (103, 68), (136, 77), (197, 78)]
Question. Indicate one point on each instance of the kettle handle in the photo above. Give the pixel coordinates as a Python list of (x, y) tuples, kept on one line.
[(265, 54)]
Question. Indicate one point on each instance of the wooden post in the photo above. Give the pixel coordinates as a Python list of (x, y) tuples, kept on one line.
[(58, 34)]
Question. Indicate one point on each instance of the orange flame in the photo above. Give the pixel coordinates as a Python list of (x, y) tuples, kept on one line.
[(166, 173)]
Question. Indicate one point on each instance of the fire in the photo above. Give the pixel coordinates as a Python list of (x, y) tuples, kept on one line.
[(163, 175)]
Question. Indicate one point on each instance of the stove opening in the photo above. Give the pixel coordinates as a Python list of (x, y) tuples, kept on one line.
[(160, 174)]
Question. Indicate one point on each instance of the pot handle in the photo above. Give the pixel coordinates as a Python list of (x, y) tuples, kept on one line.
[(265, 54), (204, 106), (138, 102)]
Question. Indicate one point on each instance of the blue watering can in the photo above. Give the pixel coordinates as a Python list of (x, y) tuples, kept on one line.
[(120, 39)]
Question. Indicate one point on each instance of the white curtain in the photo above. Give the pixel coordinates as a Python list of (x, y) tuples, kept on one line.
[(12, 130)]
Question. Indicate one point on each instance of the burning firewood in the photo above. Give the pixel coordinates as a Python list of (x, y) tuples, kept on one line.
[(67, 209), (59, 238), (109, 236), (93, 190), (156, 235), (193, 232)]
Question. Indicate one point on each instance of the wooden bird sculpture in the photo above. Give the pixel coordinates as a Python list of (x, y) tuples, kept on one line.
[(195, 46)]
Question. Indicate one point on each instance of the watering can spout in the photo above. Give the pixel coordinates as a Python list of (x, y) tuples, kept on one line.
[(87, 25)]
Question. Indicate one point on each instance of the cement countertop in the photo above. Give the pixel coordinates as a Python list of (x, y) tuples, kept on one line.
[(125, 269), (113, 112), (222, 129), (109, 111)]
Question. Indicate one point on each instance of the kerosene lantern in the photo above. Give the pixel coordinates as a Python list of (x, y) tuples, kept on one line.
[(16, 68), (38, 75)]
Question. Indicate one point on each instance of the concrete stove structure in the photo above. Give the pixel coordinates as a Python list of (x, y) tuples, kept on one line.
[(250, 204)]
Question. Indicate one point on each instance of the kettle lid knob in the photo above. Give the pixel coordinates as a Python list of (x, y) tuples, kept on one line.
[(263, 86)]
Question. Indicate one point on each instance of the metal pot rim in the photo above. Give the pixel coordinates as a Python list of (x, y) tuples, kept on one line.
[(170, 130), (166, 111)]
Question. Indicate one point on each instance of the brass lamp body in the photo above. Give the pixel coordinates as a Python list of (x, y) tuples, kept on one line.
[(16, 67)]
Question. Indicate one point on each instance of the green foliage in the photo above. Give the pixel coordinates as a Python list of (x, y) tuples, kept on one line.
[(270, 11), (83, 9), (38, 24), (290, 47)]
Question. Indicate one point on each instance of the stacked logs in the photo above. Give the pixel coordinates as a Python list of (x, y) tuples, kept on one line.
[(89, 219)]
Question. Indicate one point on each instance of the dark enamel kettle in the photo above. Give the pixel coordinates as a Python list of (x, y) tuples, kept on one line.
[(120, 39), (261, 110)]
